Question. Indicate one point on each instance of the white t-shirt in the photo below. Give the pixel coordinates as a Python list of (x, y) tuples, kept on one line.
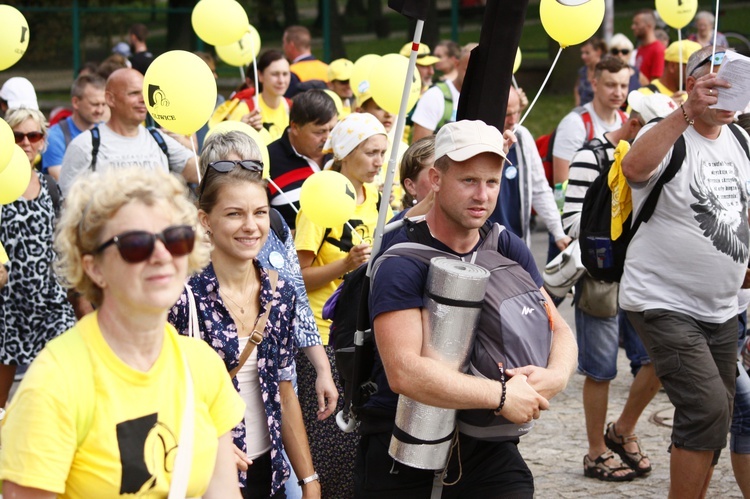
[(431, 107), (257, 436), (692, 254), (117, 151), (571, 132)]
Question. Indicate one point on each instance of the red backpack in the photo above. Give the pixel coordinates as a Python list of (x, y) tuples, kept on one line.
[(545, 144)]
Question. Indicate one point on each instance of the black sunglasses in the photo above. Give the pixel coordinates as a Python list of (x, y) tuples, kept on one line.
[(227, 165), (33, 137), (619, 51), (137, 245), (718, 58)]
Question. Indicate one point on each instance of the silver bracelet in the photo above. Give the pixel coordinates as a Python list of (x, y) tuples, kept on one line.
[(309, 479)]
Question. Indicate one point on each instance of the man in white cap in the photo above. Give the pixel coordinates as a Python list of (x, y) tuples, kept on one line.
[(17, 92), (598, 337), (465, 181), (684, 267)]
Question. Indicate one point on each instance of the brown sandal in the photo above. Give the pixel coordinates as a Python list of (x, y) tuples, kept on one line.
[(596, 468), (617, 443)]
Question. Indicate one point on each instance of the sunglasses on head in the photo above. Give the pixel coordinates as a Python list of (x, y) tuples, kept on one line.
[(227, 165), (619, 51), (33, 137), (137, 245), (718, 57)]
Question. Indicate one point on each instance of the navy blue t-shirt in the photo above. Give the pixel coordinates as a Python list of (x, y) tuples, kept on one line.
[(508, 208), (400, 284)]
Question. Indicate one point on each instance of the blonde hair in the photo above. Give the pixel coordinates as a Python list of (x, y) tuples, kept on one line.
[(14, 117), (93, 201)]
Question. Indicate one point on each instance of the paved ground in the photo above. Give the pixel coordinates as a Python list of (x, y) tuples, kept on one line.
[(554, 449)]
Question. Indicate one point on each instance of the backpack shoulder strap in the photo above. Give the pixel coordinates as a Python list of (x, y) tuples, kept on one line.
[(653, 88), (599, 148), (64, 125), (623, 116), (96, 140), (277, 225), (675, 163), (156, 134), (448, 107), (740, 138), (588, 123), (54, 192)]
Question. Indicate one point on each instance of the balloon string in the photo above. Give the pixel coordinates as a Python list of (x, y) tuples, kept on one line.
[(242, 74), (197, 161), (531, 106), (679, 46), (515, 83), (255, 67), (291, 203), (716, 30)]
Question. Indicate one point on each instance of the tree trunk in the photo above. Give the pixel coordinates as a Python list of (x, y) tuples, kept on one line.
[(179, 28)]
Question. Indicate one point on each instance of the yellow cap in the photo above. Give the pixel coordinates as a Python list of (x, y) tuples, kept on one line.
[(672, 54), (423, 54), (340, 69)]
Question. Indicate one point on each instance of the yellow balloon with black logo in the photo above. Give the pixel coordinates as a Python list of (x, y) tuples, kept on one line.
[(180, 91), (14, 36), (677, 13), (219, 22), (328, 198), (570, 22), (241, 52), (15, 178)]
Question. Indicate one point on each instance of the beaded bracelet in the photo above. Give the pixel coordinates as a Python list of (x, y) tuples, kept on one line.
[(502, 382), (684, 115)]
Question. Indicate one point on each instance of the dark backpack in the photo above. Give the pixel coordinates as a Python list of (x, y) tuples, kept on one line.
[(54, 193), (604, 258), (96, 140), (546, 143), (519, 335)]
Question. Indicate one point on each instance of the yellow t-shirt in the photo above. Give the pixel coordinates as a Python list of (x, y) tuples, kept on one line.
[(136, 418), (337, 244), (274, 120)]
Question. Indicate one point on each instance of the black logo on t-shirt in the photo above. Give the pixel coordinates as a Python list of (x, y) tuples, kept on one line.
[(145, 445)]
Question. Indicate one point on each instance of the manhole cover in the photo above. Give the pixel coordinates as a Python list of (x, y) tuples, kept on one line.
[(663, 417)]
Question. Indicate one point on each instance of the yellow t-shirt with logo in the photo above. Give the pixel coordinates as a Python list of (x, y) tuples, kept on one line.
[(274, 120), (309, 237), (132, 438)]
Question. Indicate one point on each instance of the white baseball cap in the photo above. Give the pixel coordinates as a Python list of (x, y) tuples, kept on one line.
[(465, 139), (651, 106), (19, 92)]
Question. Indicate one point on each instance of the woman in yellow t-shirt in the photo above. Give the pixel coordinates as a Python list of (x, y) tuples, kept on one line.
[(271, 108), (358, 143), (102, 409)]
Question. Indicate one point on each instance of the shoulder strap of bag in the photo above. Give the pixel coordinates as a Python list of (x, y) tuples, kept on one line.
[(258, 329), (183, 459), (64, 125), (740, 138), (675, 163), (54, 192), (159, 141), (96, 140), (194, 330)]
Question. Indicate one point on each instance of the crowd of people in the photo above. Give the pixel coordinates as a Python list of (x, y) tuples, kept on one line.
[(171, 308)]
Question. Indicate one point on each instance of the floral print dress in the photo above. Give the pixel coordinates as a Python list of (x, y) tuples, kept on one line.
[(275, 353)]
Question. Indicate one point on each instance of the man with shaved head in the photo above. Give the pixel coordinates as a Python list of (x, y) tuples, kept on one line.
[(123, 140)]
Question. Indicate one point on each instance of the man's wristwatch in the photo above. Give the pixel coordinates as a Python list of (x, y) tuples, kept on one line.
[(309, 479)]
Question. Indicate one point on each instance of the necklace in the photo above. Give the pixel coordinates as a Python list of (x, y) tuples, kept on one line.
[(241, 307), (238, 317)]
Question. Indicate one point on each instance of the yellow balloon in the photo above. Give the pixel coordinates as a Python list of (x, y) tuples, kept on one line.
[(327, 198), (241, 52), (7, 141), (239, 126), (361, 72), (180, 91), (387, 83), (14, 36), (219, 22), (3, 255), (517, 62), (677, 13), (15, 178), (570, 22)]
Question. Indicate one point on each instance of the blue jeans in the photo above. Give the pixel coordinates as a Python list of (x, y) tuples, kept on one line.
[(740, 430), (597, 346)]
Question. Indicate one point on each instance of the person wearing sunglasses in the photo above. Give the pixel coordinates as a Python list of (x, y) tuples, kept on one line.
[(698, 233), (247, 313), (620, 46), (33, 306), (592, 50), (102, 409)]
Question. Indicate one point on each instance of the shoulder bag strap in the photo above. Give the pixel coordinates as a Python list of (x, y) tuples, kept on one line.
[(258, 330), (180, 477), (194, 330)]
